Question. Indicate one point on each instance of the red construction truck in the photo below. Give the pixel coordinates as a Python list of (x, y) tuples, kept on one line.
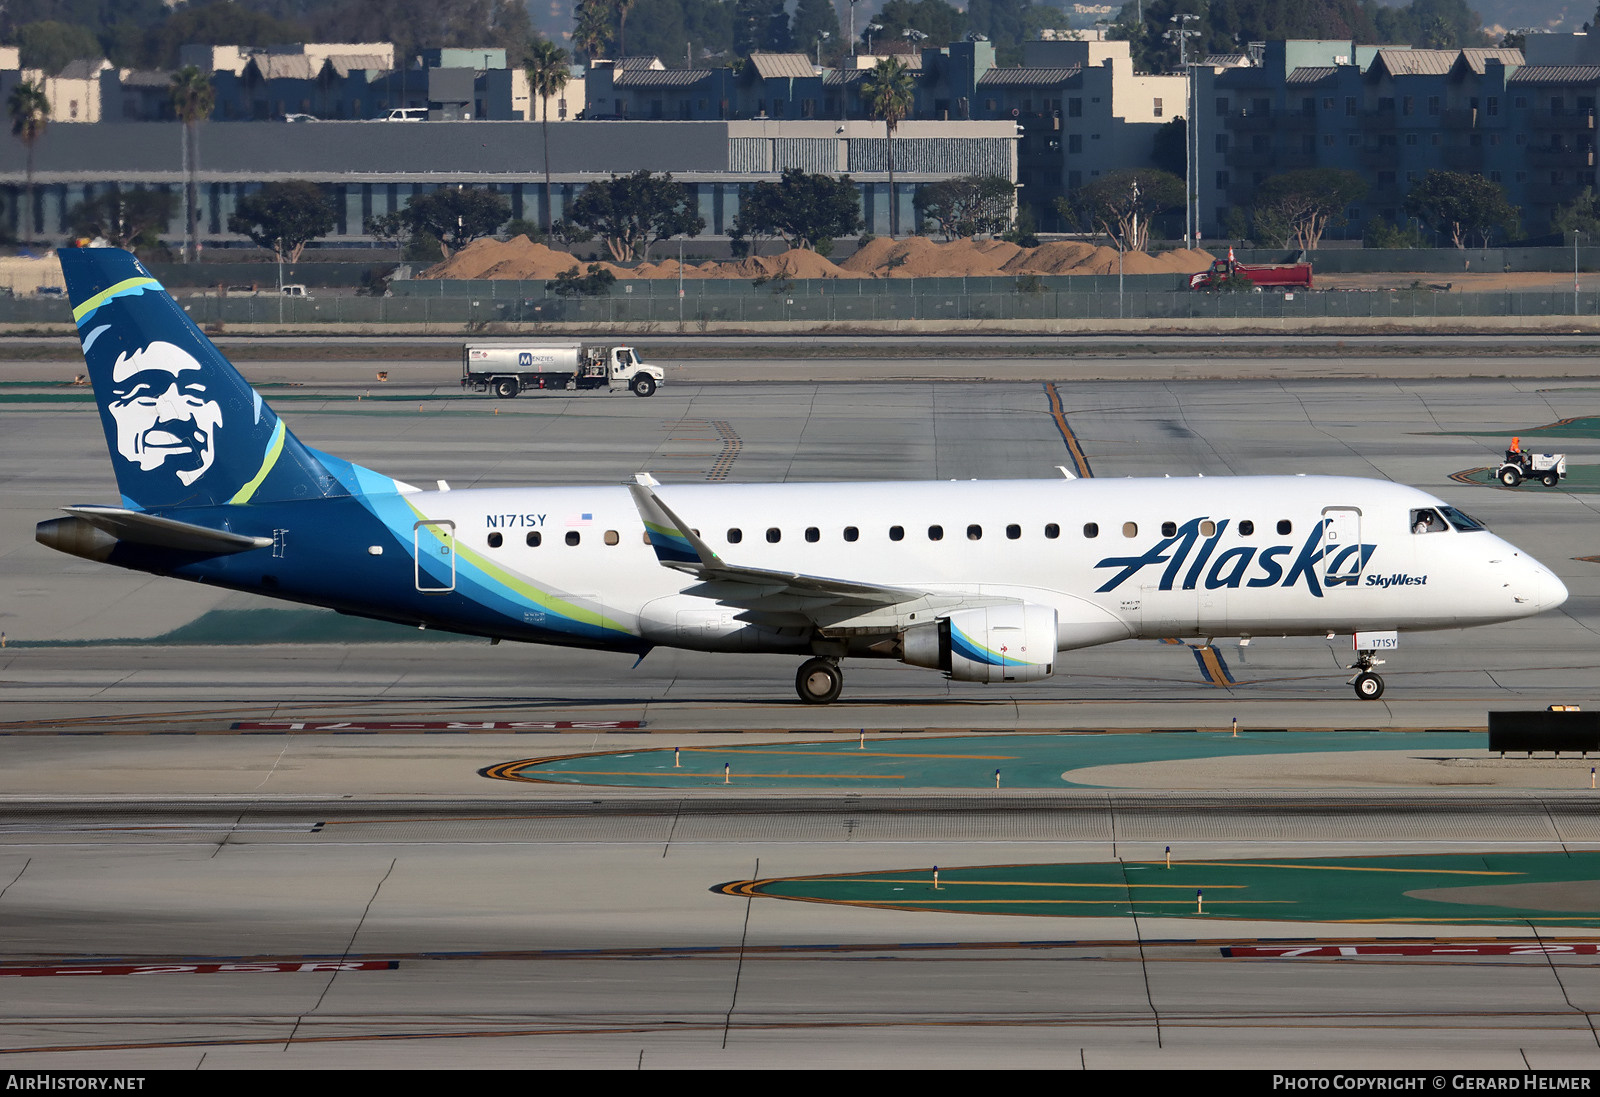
[(1259, 275)]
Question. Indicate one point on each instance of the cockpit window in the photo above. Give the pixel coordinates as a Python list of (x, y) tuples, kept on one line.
[(1466, 523), (1426, 520)]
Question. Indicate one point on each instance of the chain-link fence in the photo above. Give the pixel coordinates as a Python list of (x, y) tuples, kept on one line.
[(832, 302)]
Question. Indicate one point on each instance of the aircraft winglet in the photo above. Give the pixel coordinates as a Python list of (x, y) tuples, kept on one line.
[(676, 545), (679, 547)]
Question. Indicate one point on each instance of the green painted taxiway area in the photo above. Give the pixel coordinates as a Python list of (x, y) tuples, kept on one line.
[(1579, 480), (1490, 889), (1578, 426), (1023, 761)]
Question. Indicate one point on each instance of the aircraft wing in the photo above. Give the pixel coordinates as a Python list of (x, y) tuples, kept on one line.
[(679, 547)]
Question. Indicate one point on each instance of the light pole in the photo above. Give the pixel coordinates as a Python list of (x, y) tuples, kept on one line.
[(1575, 272), (1191, 177), (872, 28), (1121, 312), (853, 4), (822, 36), (1136, 213)]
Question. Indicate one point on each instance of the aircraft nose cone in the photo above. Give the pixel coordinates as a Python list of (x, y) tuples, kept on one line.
[(1552, 591)]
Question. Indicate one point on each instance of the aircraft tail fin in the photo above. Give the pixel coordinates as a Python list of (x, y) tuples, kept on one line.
[(183, 426)]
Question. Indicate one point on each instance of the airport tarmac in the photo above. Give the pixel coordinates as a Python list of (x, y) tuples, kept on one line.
[(356, 890)]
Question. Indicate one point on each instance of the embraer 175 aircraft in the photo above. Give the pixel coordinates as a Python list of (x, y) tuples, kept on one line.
[(987, 582)]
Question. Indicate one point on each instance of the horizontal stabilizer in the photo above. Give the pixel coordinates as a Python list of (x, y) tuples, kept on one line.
[(148, 529)]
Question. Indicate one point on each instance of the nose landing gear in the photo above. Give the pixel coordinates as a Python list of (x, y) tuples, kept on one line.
[(819, 681), (1368, 686)]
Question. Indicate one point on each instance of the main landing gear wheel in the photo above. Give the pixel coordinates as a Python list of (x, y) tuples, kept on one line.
[(819, 681), (643, 386), (505, 389)]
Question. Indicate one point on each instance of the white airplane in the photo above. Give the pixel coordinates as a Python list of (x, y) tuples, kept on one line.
[(985, 581)]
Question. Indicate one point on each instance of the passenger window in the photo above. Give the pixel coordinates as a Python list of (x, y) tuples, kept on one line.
[(1130, 529), (1091, 530), (897, 533), (611, 537), (1169, 529), (1208, 528), (1052, 531), (536, 537), (774, 535), (496, 540), (851, 533), (572, 537), (1285, 527), (935, 533), (813, 534), (1426, 521), (1246, 528), (974, 533), (735, 536), (1013, 531)]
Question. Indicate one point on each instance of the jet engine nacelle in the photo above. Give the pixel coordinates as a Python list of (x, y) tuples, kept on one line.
[(1013, 643)]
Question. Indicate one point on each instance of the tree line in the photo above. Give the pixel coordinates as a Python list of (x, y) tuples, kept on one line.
[(632, 213), (1296, 209), (1229, 26)]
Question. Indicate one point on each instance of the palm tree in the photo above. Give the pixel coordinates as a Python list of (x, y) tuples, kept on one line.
[(547, 75), (889, 93), (30, 114), (192, 100), (592, 29), (622, 7)]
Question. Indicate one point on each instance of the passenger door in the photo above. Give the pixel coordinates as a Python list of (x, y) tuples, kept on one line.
[(433, 544), (1341, 546)]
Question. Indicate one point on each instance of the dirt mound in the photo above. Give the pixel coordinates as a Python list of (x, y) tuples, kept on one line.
[(794, 263), (1061, 257), (1184, 261), (668, 268), (913, 257), (801, 263), (870, 257), (962, 258), (518, 257)]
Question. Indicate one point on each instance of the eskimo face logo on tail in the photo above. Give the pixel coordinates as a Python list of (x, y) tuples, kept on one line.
[(165, 416)]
